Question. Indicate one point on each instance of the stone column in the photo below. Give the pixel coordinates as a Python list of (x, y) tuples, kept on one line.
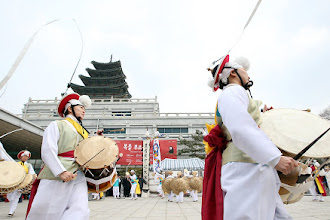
[(146, 157)]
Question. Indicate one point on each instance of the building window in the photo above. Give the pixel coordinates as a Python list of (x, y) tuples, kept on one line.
[(173, 130), (121, 113), (114, 131)]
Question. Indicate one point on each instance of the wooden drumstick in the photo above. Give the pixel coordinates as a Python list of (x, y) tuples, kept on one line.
[(122, 129), (302, 178), (120, 156), (87, 161), (309, 146)]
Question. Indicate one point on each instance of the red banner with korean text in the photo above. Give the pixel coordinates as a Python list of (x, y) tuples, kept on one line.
[(168, 149), (132, 151)]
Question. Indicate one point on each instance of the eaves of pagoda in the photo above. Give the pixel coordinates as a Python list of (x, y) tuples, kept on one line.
[(101, 91), (105, 66), (102, 81), (105, 73)]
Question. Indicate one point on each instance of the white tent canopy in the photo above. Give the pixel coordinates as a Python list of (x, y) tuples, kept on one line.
[(180, 164)]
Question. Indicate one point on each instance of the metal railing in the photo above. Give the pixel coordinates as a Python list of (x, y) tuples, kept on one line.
[(107, 114), (55, 101), (142, 136)]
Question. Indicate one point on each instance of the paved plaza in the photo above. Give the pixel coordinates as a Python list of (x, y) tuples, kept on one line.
[(157, 208)]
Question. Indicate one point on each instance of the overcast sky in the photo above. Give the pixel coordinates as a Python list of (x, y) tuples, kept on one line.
[(165, 46)]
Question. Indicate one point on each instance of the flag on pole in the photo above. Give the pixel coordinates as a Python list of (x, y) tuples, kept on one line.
[(156, 159)]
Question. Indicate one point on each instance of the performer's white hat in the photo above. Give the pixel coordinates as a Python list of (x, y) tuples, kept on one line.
[(214, 82), (72, 100), (222, 71), (24, 153), (132, 171)]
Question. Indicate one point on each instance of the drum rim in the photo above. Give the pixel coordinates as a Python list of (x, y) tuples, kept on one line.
[(4, 191), (94, 165), (308, 154), (295, 198), (26, 182)]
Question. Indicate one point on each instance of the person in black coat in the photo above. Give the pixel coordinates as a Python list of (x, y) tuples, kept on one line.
[(126, 185), (141, 181)]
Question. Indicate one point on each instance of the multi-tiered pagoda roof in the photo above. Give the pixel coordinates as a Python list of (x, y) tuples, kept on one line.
[(105, 81)]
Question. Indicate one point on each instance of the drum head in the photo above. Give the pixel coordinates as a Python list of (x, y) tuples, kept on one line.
[(89, 147), (292, 130), (27, 180), (11, 174)]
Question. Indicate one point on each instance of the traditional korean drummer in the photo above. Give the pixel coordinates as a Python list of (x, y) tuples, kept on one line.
[(14, 196), (248, 175), (61, 194)]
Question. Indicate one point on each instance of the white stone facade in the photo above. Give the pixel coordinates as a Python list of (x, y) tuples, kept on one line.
[(136, 116)]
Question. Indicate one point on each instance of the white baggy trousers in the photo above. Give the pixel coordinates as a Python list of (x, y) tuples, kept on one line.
[(58, 200), (13, 198), (251, 192), (115, 191), (133, 188)]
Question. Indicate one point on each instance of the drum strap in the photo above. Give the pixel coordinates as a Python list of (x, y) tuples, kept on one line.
[(25, 167)]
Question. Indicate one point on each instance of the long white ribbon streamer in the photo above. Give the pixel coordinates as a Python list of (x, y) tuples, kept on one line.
[(238, 39), (19, 129), (25, 49), (21, 56)]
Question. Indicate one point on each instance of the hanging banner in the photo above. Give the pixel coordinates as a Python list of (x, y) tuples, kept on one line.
[(132, 152), (156, 159), (168, 149)]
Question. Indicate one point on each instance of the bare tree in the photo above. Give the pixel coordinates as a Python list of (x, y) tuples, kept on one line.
[(325, 113)]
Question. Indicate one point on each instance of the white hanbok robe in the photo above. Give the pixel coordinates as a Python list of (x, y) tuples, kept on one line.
[(55, 199), (133, 186), (159, 187), (250, 189), (4, 155)]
